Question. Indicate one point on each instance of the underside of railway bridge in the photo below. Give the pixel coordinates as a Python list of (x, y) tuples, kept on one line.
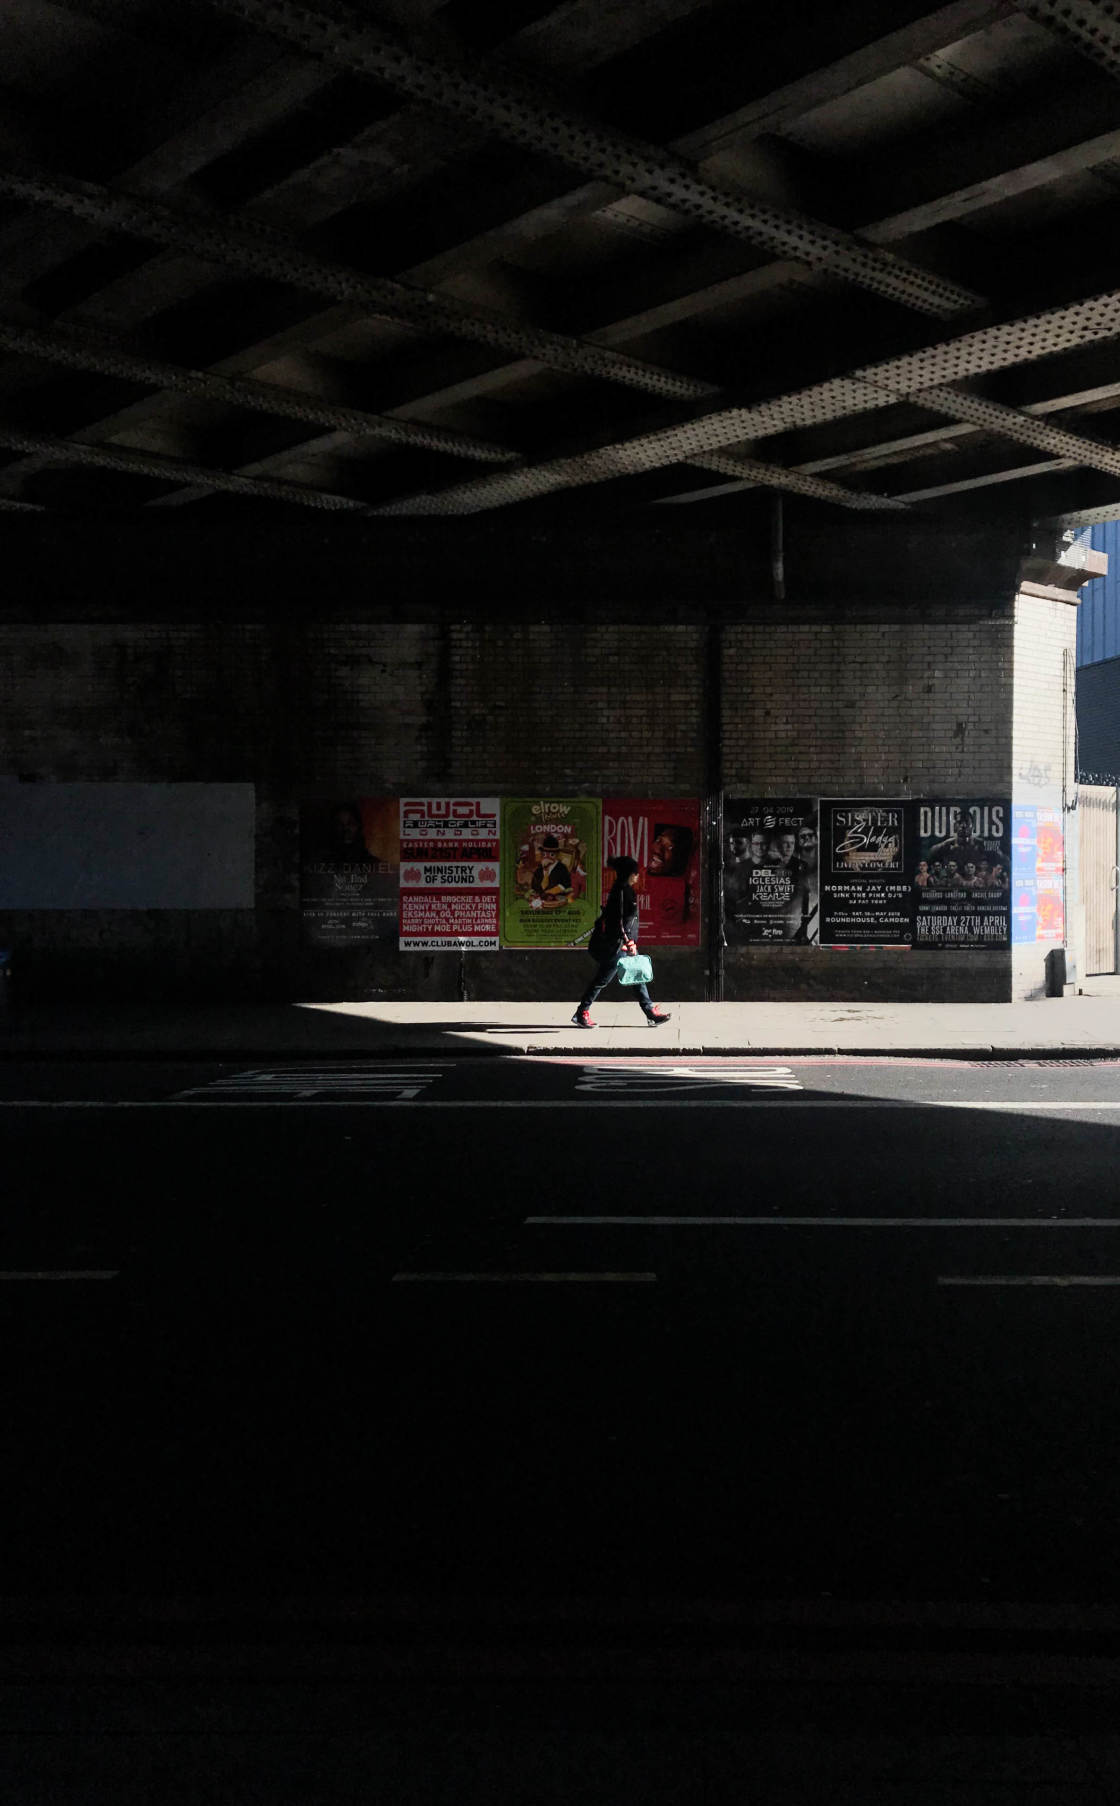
[(581, 406)]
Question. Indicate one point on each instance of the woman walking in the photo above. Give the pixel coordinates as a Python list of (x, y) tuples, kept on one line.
[(618, 930)]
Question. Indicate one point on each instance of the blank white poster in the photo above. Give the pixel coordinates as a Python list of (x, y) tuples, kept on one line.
[(126, 846)]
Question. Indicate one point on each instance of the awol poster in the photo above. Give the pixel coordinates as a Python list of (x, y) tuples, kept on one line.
[(349, 848), (550, 870), (770, 869), (663, 836), (450, 850), (865, 883), (961, 864)]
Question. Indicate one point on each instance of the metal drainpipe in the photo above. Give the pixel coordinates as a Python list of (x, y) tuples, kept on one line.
[(1071, 897), (1116, 885), (778, 548)]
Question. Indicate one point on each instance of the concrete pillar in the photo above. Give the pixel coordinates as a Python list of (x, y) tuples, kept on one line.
[(1047, 928)]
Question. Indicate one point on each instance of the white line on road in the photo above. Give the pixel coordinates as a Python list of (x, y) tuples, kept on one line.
[(52, 1273), (405, 1080), (672, 1080), (526, 1278), (1029, 1279), (786, 1101), (1032, 1104), (697, 1222)]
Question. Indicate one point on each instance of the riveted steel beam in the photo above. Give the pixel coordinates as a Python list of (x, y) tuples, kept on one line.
[(229, 99), (1009, 423), (872, 386), (652, 318), (989, 479), (174, 470), (1086, 517), (869, 59), (796, 482), (82, 351), (245, 245), (268, 252), (707, 387), (910, 446), (529, 115), (942, 27), (1090, 26), (474, 498)]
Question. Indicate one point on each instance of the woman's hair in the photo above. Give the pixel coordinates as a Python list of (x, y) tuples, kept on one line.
[(622, 867)]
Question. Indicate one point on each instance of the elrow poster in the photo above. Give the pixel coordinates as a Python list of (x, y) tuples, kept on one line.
[(663, 836), (551, 860), (349, 853), (450, 851), (961, 861), (865, 879), (770, 870)]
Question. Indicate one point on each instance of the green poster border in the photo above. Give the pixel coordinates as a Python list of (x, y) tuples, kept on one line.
[(574, 923)]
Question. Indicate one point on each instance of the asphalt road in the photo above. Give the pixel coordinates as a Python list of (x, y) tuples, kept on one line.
[(747, 1330)]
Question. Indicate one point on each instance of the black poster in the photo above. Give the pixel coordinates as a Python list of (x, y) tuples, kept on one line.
[(349, 870), (770, 869), (866, 887), (960, 873)]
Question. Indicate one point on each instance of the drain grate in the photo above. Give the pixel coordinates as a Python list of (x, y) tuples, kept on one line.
[(1058, 1060)]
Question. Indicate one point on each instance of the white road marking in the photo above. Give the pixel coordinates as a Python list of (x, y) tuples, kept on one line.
[(405, 1081), (1032, 1104), (397, 1094), (669, 1079), (787, 1101), (525, 1278), (1028, 1279), (675, 1222), (53, 1273)]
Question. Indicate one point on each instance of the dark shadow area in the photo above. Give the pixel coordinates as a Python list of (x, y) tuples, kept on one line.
[(794, 1513)]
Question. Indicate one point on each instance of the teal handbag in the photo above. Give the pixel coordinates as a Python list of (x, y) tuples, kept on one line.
[(635, 969)]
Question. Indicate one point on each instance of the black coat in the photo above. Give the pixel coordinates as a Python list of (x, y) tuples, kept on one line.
[(620, 916)]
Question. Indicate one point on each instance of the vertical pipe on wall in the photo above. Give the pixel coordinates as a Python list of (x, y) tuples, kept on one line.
[(713, 727), (1071, 881), (1115, 880), (778, 548)]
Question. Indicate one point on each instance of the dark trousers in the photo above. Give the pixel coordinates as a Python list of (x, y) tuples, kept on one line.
[(606, 971)]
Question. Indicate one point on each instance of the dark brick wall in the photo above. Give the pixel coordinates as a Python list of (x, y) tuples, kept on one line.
[(596, 708), (885, 702), (319, 662)]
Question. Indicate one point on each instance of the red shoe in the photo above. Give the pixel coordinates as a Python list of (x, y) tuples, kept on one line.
[(582, 1019), (656, 1016)]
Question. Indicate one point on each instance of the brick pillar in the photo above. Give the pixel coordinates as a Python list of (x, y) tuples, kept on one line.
[(1046, 924)]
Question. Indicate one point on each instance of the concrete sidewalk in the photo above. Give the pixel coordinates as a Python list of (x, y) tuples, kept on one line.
[(1060, 1026)]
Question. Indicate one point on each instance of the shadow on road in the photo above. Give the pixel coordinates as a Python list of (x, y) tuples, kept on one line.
[(796, 1510)]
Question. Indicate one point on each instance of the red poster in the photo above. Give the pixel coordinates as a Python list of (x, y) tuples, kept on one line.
[(1050, 856), (664, 837), (1051, 910)]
